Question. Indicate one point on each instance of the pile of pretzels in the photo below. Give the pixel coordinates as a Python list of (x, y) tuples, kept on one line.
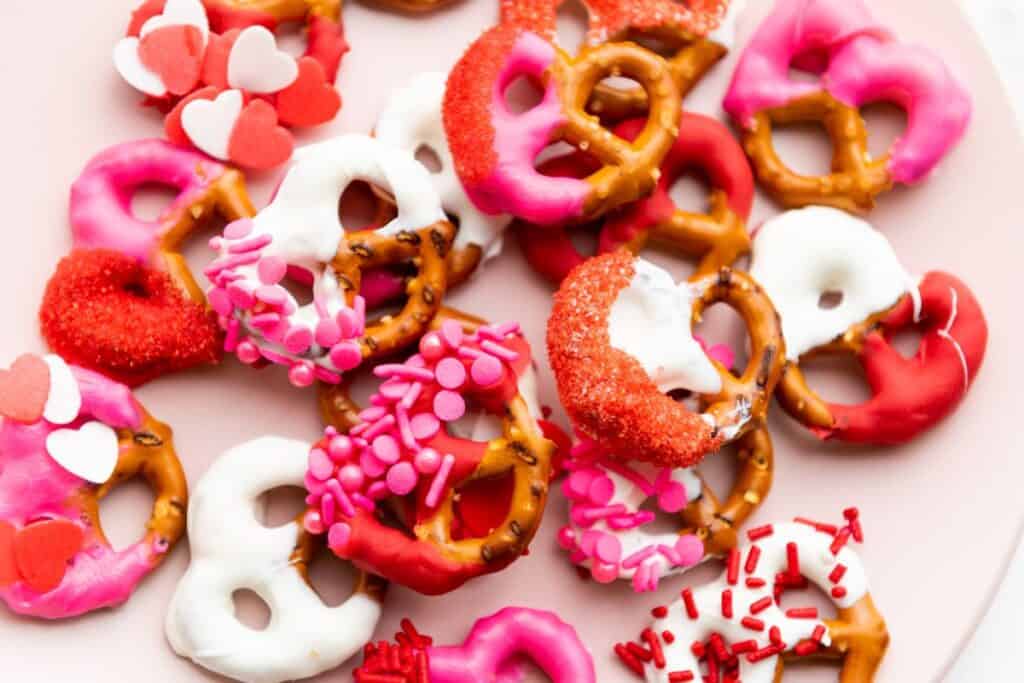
[(442, 476)]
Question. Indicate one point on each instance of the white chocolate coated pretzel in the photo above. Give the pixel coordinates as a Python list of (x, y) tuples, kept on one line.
[(232, 550)]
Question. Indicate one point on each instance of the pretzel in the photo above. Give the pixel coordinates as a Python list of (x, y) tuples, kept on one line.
[(718, 238), (233, 550), (494, 149), (299, 236), (609, 530), (735, 628), (815, 250), (496, 645), (404, 460), (859, 62), (82, 436), (619, 339), (414, 6)]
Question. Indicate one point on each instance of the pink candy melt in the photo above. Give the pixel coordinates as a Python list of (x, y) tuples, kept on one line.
[(863, 63), (34, 486)]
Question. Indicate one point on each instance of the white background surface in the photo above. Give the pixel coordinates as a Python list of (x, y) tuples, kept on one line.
[(993, 653)]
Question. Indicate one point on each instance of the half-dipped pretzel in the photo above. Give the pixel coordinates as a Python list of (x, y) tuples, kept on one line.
[(125, 302), (718, 237), (494, 650), (461, 413), (494, 148), (68, 437), (233, 550), (611, 532), (735, 629), (299, 236), (619, 339), (859, 62), (684, 29), (412, 120), (805, 254)]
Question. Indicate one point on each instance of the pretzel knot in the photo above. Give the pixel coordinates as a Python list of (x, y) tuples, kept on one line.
[(494, 149), (471, 503), (619, 339)]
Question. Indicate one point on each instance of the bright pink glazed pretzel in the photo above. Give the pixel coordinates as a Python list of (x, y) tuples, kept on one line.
[(859, 62), (493, 651), (87, 436)]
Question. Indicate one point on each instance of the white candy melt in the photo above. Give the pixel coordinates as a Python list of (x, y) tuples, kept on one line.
[(179, 13), (804, 253), (134, 72), (89, 453), (257, 66), (209, 123), (650, 321)]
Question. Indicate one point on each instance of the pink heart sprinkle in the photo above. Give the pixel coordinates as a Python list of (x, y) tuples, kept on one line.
[(487, 371), (272, 270), (338, 537), (238, 229), (449, 406), (402, 479), (450, 373), (320, 465), (424, 426)]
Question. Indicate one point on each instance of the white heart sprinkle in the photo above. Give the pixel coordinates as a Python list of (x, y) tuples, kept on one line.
[(65, 400), (179, 13), (132, 70), (209, 123), (256, 65), (89, 452)]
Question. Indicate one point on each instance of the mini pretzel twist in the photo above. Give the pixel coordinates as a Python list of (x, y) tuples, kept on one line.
[(287, 10), (856, 178), (428, 249)]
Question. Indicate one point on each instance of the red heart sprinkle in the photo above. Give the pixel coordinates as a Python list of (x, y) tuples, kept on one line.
[(24, 389), (310, 100), (175, 53), (257, 141), (42, 551), (215, 64), (8, 568)]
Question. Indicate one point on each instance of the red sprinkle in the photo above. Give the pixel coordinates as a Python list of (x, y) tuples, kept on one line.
[(760, 605), (752, 623), (698, 649), (755, 582), (802, 613), (668, 636), (775, 635), (760, 532), (640, 652), (805, 648), (765, 652), (818, 633), (659, 612), (838, 592), (744, 646), (841, 540), (651, 638), (837, 574), (830, 529), (792, 560), (753, 555), (629, 660), (691, 607), (733, 567), (727, 603), (680, 676)]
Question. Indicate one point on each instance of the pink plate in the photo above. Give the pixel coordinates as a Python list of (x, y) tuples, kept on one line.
[(941, 515)]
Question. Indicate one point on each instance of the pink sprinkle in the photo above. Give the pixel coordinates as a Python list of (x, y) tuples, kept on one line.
[(312, 523), (427, 461), (348, 321), (363, 502), (449, 406), (272, 295), (341, 497), (216, 242), (351, 477), (236, 230), (316, 488), (338, 537), (240, 296), (450, 373), (379, 427), (431, 346), (272, 269), (320, 465), (470, 352), (608, 549), (567, 538), (487, 371), (630, 521), (386, 448), (405, 430), (301, 374), (411, 396), (389, 370), (371, 465), (327, 509), (402, 478), (359, 307), (440, 480), (378, 490), (298, 340), (373, 414), (601, 490), (498, 350), (670, 554), (394, 389), (424, 426), (265, 322), (339, 448), (229, 262), (254, 244), (626, 472), (232, 335), (639, 556), (220, 301), (346, 355), (247, 352), (328, 333), (452, 333), (589, 515), (325, 375), (672, 498), (577, 484), (690, 550)]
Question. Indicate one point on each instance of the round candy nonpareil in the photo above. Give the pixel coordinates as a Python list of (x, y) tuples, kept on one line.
[(232, 550), (804, 255), (859, 62), (494, 148), (494, 650), (299, 237), (619, 339), (68, 436)]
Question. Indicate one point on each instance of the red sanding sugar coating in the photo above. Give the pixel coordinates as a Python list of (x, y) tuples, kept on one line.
[(107, 312), (606, 392), (468, 100)]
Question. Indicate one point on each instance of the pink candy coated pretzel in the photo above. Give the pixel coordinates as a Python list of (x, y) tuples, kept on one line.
[(491, 652), (859, 62)]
